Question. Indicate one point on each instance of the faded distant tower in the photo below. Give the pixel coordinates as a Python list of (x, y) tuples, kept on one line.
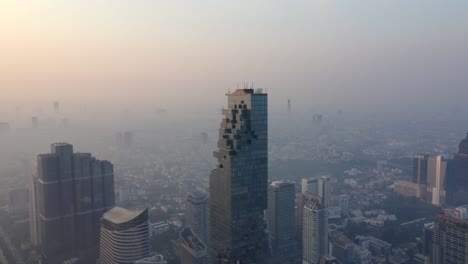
[(34, 122), (289, 105), (69, 194), (56, 105), (238, 185)]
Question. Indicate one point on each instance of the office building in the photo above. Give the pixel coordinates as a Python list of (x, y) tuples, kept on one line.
[(320, 187), (436, 172), (124, 236), (238, 186), (315, 230), (197, 215), (343, 203), (420, 169), (69, 193), (281, 218), (449, 240), (457, 180), (192, 249)]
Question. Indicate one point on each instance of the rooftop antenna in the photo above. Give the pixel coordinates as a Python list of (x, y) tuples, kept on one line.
[(237, 84), (252, 85)]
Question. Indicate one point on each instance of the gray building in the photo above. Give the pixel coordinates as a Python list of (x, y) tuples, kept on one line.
[(197, 215), (238, 186), (69, 193), (124, 236), (281, 217), (192, 250)]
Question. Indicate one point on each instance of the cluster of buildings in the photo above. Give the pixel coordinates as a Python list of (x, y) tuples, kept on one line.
[(437, 180), (243, 218)]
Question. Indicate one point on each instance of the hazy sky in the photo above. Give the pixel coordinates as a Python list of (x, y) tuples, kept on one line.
[(322, 53)]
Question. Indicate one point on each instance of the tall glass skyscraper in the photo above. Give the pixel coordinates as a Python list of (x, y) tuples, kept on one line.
[(69, 194), (238, 186)]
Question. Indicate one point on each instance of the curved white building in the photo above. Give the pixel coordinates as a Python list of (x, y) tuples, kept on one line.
[(124, 236)]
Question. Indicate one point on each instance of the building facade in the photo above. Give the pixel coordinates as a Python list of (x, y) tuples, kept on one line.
[(410, 189), (449, 241), (238, 186), (315, 230), (124, 236), (457, 176), (69, 194), (192, 250), (281, 218), (436, 174), (420, 168), (197, 215)]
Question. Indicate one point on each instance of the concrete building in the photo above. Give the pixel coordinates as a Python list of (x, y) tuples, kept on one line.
[(377, 247), (124, 236), (436, 172), (192, 249), (410, 189), (343, 203), (197, 215), (281, 217), (449, 240), (238, 185), (315, 230), (420, 168), (69, 193), (319, 187)]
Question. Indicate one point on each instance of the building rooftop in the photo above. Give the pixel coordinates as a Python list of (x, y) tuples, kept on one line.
[(191, 240), (279, 183), (197, 197), (120, 215), (248, 91)]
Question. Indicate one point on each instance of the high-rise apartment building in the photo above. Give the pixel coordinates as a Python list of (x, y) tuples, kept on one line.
[(192, 249), (436, 172), (315, 230), (124, 236), (449, 241), (197, 215), (69, 193), (281, 218), (238, 186)]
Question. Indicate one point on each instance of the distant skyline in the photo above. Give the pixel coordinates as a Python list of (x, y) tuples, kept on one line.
[(366, 55)]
